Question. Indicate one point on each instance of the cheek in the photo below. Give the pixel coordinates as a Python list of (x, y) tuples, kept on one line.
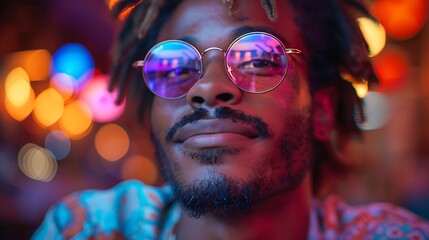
[(291, 99), (297, 85), (164, 114), (293, 93), (159, 117)]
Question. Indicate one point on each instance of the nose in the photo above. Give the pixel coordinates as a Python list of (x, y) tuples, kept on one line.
[(214, 88)]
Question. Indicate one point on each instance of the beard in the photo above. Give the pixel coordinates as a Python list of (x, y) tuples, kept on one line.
[(220, 195)]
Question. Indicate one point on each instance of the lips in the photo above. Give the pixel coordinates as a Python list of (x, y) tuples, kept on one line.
[(210, 133)]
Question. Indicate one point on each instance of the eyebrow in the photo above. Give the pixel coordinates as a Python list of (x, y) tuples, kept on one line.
[(237, 32), (247, 29), (191, 40)]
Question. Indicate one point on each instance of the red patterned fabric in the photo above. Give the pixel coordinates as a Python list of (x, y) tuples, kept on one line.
[(132, 210)]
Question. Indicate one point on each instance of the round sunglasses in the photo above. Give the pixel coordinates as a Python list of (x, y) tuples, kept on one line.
[(255, 62)]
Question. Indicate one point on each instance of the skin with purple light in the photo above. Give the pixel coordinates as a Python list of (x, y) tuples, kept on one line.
[(248, 112), (221, 147)]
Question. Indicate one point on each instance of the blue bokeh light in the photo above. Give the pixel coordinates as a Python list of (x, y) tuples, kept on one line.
[(58, 143), (74, 60)]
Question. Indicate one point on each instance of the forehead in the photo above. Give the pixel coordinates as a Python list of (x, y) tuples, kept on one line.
[(209, 24)]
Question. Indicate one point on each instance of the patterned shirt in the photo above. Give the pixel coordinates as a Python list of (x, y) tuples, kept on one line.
[(132, 210)]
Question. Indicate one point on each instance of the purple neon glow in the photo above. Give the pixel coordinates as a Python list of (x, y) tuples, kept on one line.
[(102, 102)]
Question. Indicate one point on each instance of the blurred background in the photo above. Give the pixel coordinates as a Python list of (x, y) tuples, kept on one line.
[(61, 132)]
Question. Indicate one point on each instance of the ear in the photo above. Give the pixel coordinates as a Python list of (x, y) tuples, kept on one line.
[(324, 111)]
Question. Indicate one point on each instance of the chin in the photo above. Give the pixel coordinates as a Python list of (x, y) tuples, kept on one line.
[(217, 193), (226, 181), (233, 162)]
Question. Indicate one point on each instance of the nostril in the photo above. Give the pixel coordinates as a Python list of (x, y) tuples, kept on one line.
[(198, 100), (225, 97)]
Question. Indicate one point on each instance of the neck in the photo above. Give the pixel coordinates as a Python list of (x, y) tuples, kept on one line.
[(283, 215)]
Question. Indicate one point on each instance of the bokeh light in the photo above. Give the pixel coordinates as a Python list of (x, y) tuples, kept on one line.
[(48, 107), (111, 3), (19, 100), (361, 89), (374, 34), (14, 75), (112, 142), (376, 109), (126, 12), (17, 86), (36, 63), (101, 101), (392, 67), (58, 143), (402, 19), (20, 113), (75, 60), (37, 163), (76, 122), (141, 168), (19, 92), (65, 85)]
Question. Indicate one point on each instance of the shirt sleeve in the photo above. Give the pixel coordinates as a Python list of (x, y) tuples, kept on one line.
[(70, 219), (372, 221), (130, 210), (49, 229)]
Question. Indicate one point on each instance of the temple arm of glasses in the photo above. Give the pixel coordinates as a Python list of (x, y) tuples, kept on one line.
[(138, 64), (293, 51)]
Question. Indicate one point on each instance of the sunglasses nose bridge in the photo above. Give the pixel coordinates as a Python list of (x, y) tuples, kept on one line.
[(211, 57), (214, 86), (214, 48)]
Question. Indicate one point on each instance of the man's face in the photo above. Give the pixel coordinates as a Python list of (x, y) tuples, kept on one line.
[(226, 148)]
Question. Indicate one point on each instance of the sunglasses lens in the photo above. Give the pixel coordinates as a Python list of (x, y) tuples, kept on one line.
[(171, 68), (256, 62)]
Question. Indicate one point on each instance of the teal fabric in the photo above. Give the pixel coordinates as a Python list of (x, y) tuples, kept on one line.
[(133, 210)]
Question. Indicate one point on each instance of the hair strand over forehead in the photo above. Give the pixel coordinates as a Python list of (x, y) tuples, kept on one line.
[(270, 8), (231, 6), (143, 17)]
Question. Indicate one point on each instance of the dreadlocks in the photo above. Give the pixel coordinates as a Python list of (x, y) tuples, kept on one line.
[(333, 40), (139, 34)]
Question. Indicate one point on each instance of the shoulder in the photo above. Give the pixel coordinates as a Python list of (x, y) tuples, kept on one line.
[(376, 220), (114, 212)]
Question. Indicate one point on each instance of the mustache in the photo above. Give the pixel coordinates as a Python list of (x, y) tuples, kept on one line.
[(221, 113)]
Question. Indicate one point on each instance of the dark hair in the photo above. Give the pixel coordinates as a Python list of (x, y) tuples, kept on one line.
[(333, 40)]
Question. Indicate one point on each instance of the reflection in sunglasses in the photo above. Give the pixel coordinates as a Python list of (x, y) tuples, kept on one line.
[(256, 62)]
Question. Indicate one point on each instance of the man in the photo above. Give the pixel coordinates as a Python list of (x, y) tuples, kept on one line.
[(244, 98)]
